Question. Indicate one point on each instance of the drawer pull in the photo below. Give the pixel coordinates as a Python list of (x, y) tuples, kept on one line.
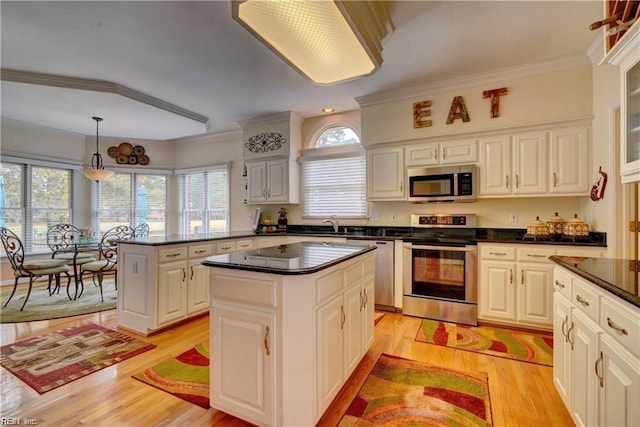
[(559, 284), (201, 251), (536, 256), (498, 253), (173, 255), (613, 326), (583, 302), (266, 341)]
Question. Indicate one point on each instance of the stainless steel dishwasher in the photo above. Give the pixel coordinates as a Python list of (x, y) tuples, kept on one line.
[(384, 287)]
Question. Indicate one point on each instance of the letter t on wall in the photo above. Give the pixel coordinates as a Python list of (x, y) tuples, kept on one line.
[(495, 95)]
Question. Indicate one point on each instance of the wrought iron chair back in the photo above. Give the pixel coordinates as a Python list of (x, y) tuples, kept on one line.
[(141, 230), (61, 236), (109, 242), (13, 248)]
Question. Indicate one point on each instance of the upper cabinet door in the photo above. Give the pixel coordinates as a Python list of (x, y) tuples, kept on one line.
[(630, 153), (277, 180), (530, 163), (495, 165), (385, 174), (569, 161), (256, 182)]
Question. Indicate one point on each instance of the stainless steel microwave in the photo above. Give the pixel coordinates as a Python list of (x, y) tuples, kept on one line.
[(442, 184)]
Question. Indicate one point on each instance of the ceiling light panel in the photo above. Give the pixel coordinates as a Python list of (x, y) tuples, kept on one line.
[(313, 36)]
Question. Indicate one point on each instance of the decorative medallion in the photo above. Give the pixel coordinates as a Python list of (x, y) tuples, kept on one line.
[(127, 154), (265, 142)]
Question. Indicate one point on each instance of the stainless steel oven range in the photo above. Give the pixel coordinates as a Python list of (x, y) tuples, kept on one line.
[(440, 268)]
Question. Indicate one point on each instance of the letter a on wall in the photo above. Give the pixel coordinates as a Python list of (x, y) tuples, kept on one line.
[(458, 111)]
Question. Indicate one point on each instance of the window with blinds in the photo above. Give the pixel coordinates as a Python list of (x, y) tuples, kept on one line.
[(131, 199), (34, 196), (334, 184), (204, 201)]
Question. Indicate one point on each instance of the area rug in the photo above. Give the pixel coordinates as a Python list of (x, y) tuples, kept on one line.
[(41, 306), (49, 361), (403, 392), (512, 344), (185, 376)]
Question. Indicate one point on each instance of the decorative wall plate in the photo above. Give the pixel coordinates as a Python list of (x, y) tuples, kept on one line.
[(143, 160), (113, 151), (125, 148), (138, 150), (122, 159)]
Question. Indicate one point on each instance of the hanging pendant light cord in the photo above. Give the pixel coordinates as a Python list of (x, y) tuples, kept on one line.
[(96, 159)]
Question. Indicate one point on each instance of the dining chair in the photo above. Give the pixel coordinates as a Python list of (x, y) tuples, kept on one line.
[(32, 268), (141, 230), (107, 262), (62, 240)]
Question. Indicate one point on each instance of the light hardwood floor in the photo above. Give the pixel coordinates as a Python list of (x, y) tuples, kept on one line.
[(522, 394)]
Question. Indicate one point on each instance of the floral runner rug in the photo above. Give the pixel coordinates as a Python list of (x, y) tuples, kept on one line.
[(185, 376), (405, 392), (52, 360), (503, 342)]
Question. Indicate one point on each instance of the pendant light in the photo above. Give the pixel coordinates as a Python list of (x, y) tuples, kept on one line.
[(97, 172)]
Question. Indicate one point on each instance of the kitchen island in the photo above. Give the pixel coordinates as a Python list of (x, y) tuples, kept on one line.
[(289, 324), (596, 334)]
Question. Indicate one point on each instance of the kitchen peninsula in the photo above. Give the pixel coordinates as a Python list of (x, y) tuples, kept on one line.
[(289, 324)]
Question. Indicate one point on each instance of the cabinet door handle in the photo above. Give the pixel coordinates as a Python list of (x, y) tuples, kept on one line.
[(366, 298), (343, 317), (599, 361), (498, 253), (536, 256), (510, 276), (269, 193), (565, 333), (559, 284), (522, 277), (184, 274), (569, 335), (582, 301), (191, 273), (436, 154), (266, 340), (615, 327), (507, 180), (554, 179), (401, 186), (361, 301), (444, 154), (517, 181), (264, 192)]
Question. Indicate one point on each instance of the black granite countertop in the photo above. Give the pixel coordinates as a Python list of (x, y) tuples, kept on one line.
[(484, 235), (294, 258), (617, 276)]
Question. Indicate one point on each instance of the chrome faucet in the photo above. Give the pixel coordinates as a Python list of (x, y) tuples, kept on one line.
[(333, 221)]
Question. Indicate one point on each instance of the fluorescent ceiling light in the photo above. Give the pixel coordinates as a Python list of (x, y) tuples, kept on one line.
[(326, 41)]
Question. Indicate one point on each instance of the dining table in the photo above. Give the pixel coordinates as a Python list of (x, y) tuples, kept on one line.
[(76, 246)]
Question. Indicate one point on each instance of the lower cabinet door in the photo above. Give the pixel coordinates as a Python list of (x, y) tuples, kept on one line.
[(243, 363), (368, 331), (620, 390), (330, 319), (535, 293), (353, 306), (172, 292), (197, 288)]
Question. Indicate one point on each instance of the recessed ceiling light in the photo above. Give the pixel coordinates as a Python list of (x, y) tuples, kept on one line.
[(328, 110)]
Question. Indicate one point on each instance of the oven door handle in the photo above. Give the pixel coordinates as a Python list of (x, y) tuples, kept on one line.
[(443, 247)]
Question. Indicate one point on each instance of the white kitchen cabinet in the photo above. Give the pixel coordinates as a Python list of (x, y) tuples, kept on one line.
[(272, 181), (626, 55), (569, 161), (243, 345), (386, 174), (444, 153), (516, 282), (282, 346), (596, 353), (172, 292), (197, 287)]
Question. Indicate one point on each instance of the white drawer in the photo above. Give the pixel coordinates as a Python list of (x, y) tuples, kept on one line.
[(200, 251), (175, 253), (225, 247), (562, 282), (586, 298), (353, 273), (621, 323), (328, 285), (498, 252), (535, 254), (243, 289), (244, 245)]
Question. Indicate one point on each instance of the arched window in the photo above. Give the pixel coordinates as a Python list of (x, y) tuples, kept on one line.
[(334, 175)]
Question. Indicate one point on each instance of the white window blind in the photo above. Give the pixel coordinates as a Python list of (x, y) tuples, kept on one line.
[(132, 198), (334, 186), (204, 200)]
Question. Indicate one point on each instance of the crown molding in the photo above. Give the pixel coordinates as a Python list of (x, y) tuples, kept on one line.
[(43, 79), (271, 118), (490, 77), (205, 138), (596, 50)]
